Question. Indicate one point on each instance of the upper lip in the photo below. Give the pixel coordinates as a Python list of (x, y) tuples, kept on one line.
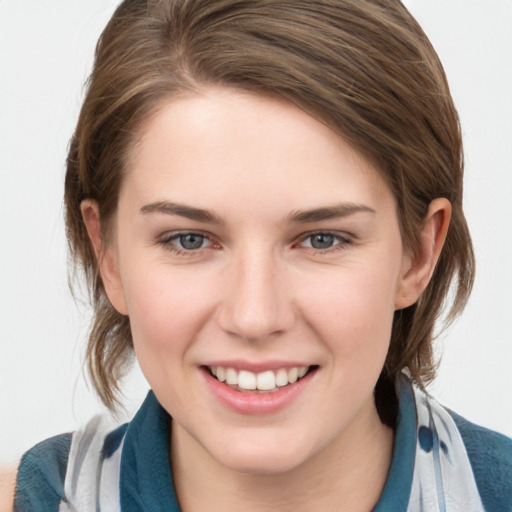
[(256, 367)]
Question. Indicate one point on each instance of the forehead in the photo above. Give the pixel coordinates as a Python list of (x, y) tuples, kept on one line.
[(242, 150)]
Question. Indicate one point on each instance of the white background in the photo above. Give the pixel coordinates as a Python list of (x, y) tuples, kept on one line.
[(46, 49)]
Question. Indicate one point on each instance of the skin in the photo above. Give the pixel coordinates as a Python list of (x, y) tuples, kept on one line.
[(7, 488), (256, 290)]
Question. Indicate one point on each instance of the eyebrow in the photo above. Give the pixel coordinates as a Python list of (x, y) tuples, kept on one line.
[(329, 212), (189, 212), (298, 216)]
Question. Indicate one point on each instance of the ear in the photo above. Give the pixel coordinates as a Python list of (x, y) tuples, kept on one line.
[(417, 268), (105, 254)]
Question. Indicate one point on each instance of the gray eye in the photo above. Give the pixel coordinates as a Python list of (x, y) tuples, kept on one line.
[(322, 241), (191, 241)]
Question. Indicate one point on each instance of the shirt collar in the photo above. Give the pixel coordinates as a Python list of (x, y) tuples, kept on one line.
[(146, 481)]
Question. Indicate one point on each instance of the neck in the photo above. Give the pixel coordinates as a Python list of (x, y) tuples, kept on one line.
[(348, 474)]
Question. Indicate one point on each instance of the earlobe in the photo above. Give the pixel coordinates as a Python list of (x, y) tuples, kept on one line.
[(419, 267), (105, 255)]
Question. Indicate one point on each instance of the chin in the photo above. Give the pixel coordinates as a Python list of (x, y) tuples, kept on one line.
[(269, 464), (261, 457)]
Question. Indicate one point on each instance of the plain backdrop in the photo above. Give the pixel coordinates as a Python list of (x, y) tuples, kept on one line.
[(46, 49)]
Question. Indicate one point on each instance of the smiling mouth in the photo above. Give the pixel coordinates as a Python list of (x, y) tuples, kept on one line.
[(268, 381)]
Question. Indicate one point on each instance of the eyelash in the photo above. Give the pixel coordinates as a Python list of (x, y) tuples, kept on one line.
[(342, 241), (167, 242)]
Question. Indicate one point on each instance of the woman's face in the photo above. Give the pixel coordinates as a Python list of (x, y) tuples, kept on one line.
[(254, 244)]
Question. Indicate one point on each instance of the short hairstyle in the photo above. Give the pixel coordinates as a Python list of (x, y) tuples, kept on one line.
[(364, 68)]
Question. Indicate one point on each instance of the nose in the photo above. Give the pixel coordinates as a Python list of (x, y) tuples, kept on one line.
[(257, 303)]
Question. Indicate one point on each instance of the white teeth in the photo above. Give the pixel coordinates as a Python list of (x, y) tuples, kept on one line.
[(281, 377), (221, 374), (246, 380), (264, 381), (232, 376), (293, 375)]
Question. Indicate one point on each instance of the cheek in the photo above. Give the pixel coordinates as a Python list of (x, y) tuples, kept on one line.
[(166, 308), (353, 310)]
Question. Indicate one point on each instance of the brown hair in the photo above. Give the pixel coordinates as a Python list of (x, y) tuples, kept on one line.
[(363, 67)]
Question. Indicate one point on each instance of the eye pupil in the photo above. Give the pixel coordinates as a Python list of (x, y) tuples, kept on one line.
[(191, 241), (322, 241)]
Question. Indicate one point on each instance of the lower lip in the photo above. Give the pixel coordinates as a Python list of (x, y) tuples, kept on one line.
[(257, 403)]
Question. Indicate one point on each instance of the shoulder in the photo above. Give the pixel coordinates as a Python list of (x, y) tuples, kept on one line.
[(66, 468), (7, 484), (490, 455), (41, 474)]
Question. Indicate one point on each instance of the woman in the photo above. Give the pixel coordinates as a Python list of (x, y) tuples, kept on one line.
[(266, 198)]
